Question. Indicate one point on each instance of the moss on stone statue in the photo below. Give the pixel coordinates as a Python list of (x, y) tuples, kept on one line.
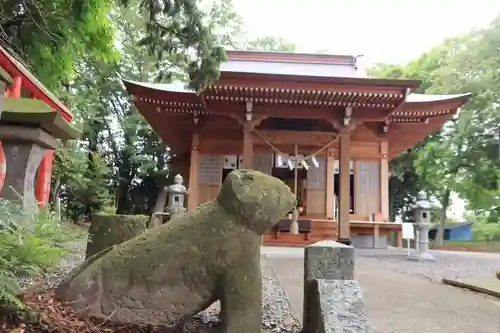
[(172, 272), (108, 230)]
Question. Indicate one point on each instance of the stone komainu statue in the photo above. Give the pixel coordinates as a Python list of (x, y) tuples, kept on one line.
[(172, 272)]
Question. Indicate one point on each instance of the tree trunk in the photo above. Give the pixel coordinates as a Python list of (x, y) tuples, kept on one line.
[(122, 206), (161, 201), (440, 232), (108, 230)]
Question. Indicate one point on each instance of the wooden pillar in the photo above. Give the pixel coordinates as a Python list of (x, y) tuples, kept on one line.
[(193, 172), (384, 181), (247, 146), (376, 234), (43, 179), (344, 188), (15, 90), (330, 195)]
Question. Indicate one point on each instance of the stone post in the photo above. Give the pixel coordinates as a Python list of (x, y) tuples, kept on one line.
[(176, 195), (22, 161), (28, 128), (327, 260), (422, 212)]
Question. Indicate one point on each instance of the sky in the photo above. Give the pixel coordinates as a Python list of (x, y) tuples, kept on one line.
[(392, 31)]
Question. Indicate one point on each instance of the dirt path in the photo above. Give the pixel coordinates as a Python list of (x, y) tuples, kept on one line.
[(398, 302)]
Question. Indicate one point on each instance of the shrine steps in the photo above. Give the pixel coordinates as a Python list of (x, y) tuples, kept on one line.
[(364, 234), (321, 230)]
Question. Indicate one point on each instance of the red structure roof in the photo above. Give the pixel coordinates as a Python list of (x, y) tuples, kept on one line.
[(298, 86), (30, 83)]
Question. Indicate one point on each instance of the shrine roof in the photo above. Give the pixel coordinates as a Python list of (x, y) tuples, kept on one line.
[(287, 63), (310, 87), (178, 91), (15, 68), (236, 79)]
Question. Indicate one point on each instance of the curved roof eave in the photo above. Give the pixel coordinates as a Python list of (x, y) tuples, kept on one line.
[(429, 99), (412, 99), (176, 87)]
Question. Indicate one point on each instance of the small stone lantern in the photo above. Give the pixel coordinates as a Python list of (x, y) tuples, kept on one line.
[(422, 212), (176, 195)]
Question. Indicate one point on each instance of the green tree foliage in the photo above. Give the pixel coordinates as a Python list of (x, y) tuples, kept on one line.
[(464, 157), (52, 35), (180, 27), (25, 252), (270, 43), (137, 159)]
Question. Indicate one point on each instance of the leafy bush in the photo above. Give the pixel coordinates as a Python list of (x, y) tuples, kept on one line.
[(109, 210), (28, 246)]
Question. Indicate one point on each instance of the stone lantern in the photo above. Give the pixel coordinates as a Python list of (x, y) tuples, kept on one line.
[(422, 212), (176, 195)]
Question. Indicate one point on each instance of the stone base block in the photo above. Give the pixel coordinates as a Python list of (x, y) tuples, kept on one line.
[(337, 306), (329, 260)]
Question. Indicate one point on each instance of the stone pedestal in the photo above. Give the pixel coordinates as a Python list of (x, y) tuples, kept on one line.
[(24, 149), (28, 128), (422, 248)]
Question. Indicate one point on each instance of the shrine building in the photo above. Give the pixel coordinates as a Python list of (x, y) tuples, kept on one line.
[(316, 121)]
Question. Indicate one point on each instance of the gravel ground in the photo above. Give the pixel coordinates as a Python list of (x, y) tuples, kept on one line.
[(276, 309), (277, 312), (449, 264), (68, 262), (403, 295)]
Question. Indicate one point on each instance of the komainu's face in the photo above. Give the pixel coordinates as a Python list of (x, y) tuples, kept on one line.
[(259, 199)]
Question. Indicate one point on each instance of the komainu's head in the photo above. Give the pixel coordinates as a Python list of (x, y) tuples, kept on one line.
[(256, 198)]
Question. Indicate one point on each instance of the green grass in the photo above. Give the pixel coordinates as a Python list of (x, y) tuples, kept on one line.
[(30, 248), (477, 246)]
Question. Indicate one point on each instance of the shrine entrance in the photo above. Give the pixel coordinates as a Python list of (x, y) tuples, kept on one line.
[(288, 177)]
